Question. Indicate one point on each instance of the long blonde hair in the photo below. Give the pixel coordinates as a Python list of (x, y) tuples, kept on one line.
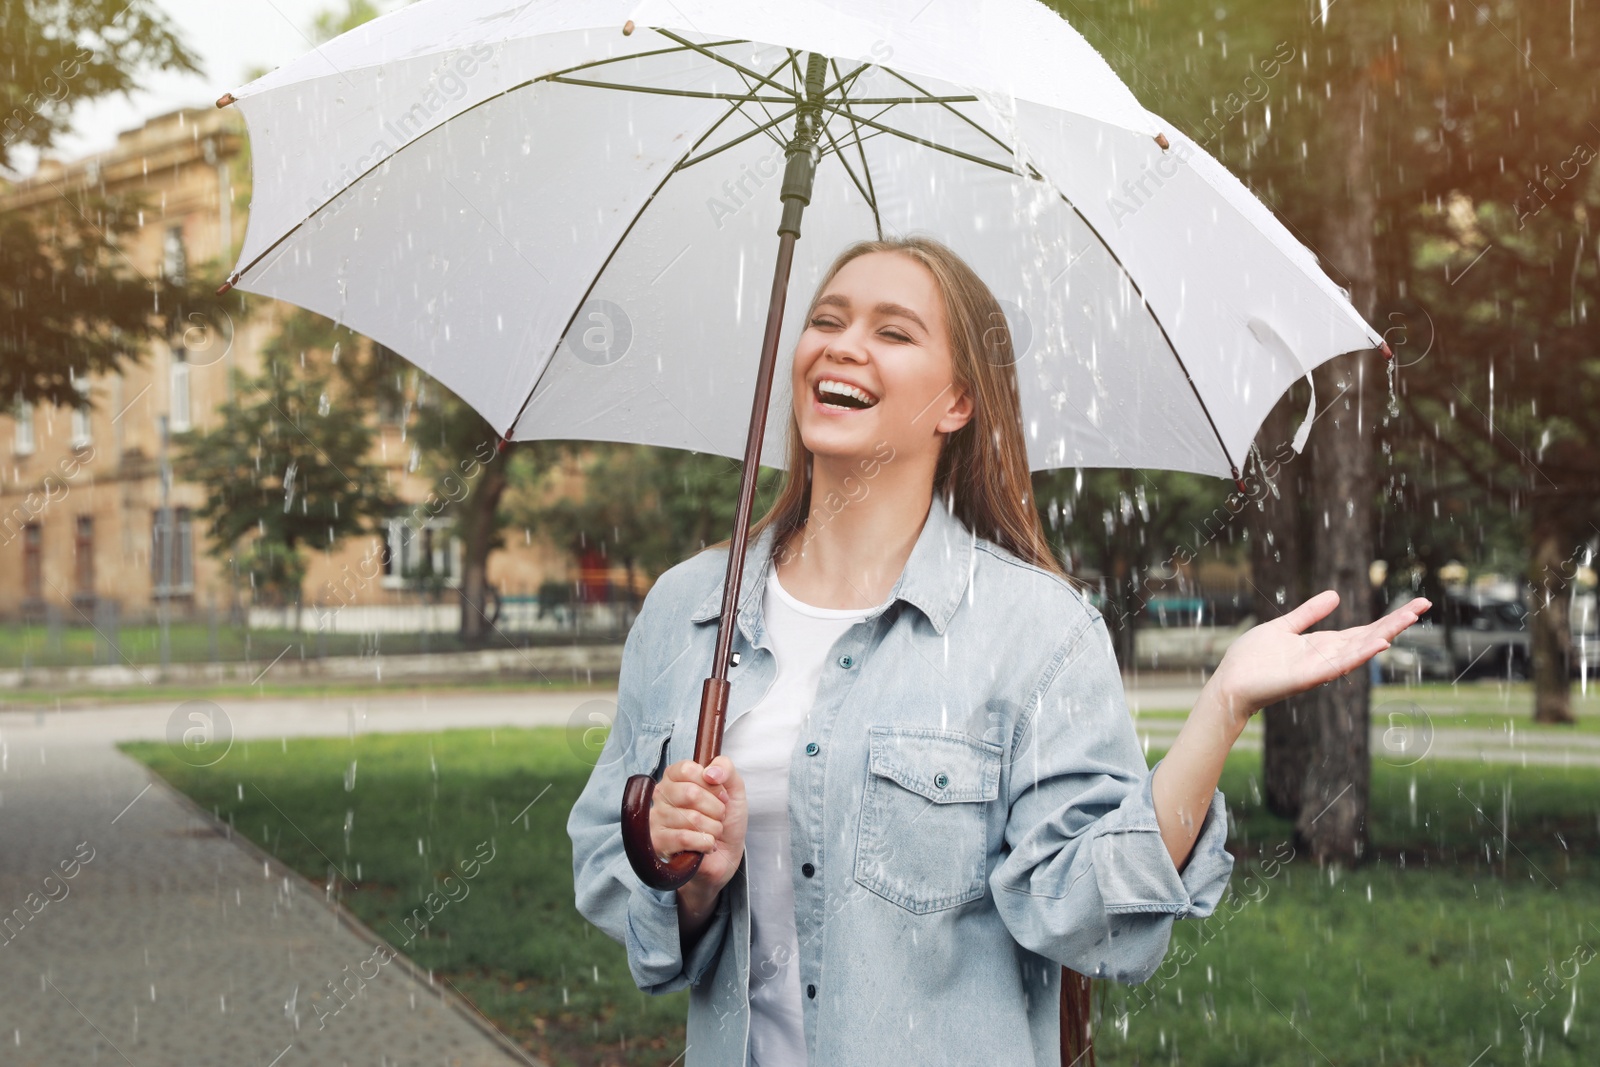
[(982, 472)]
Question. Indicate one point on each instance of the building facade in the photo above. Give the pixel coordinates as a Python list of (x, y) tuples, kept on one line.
[(91, 520)]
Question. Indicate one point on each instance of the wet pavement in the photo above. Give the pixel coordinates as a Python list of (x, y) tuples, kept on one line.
[(137, 933)]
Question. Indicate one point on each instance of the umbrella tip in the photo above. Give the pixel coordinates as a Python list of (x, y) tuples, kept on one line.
[(1238, 481), (225, 99), (225, 286), (627, 28), (1161, 139), (1383, 346)]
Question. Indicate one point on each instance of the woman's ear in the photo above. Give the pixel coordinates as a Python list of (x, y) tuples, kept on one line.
[(958, 413)]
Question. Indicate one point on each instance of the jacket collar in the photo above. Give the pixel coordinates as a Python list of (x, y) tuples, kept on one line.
[(934, 579)]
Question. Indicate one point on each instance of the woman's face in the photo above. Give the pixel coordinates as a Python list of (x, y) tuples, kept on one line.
[(880, 326)]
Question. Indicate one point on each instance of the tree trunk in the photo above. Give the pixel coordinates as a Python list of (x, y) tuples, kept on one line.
[(479, 535), (1277, 559), (1549, 623), (1332, 822)]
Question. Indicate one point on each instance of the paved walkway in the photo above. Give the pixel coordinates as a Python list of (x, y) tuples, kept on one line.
[(171, 944)]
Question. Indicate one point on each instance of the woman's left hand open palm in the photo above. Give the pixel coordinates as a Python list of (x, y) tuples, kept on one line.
[(1278, 658)]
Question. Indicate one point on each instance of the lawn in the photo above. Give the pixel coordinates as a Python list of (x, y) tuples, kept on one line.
[(1428, 955), (38, 645)]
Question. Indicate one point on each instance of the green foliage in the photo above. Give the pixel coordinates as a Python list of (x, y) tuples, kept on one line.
[(285, 466), (70, 306), (331, 22), (1485, 173), (1133, 529), (645, 506), (57, 54)]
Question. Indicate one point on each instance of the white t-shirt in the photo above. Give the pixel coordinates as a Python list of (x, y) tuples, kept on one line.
[(759, 743)]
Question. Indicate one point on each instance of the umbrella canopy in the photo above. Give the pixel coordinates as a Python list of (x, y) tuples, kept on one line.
[(565, 213)]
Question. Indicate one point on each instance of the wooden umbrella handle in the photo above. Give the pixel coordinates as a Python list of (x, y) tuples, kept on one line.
[(798, 179), (636, 796)]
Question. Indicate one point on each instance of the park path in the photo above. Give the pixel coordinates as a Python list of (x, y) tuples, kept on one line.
[(174, 944)]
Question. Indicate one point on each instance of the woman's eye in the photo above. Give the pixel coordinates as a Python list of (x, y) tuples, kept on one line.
[(896, 335), (820, 321)]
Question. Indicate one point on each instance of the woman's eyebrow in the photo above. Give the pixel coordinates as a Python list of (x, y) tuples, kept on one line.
[(886, 307)]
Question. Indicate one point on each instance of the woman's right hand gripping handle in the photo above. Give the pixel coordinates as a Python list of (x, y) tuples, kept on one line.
[(701, 810)]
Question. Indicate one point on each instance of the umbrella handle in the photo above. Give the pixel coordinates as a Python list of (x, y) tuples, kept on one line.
[(637, 795), (798, 178)]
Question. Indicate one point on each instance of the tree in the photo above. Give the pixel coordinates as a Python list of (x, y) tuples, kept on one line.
[(464, 450), (70, 302), (285, 467), (1280, 538), (1137, 530), (646, 507)]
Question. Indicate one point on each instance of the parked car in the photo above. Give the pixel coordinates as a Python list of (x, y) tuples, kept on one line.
[(1416, 657), (1182, 633)]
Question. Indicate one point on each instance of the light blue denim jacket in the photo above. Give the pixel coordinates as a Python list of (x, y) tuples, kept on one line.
[(970, 795)]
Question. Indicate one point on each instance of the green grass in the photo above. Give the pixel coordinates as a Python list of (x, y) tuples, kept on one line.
[(1478, 705), (309, 689), (37, 645), (1431, 970)]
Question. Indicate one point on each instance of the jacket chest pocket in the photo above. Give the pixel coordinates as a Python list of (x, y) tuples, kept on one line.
[(922, 840)]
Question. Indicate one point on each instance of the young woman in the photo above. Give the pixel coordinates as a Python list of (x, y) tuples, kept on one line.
[(930, 796)]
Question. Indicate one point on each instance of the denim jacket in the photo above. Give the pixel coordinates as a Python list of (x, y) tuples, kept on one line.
[(969, 809)]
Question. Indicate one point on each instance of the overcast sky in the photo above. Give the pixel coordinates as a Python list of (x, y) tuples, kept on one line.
[(229, 36)]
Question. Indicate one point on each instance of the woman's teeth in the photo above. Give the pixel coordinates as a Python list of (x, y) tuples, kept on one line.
[(844, 397)]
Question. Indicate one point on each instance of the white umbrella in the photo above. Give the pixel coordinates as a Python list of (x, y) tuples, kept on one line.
[(454, 181)]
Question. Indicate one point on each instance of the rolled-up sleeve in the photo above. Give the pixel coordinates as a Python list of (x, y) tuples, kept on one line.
[(1085, 878), (609, 894)]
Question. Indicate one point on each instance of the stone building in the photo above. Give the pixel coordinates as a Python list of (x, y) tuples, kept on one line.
[(87, 522)]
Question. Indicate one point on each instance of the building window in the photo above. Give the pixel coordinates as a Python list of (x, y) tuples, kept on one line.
[(23, 444), (172, 552), (33, 561), (420, 558), (174, 260), (83, 556), (178, 397), (82, 416)]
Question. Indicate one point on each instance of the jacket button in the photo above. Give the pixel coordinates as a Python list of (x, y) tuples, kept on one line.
[(941, 780), (811, 748), (811, 991), (807, 869), (845, 661)]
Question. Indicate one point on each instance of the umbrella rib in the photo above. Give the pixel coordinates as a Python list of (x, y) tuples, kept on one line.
[(838, 151), (1034, 173), (634, 55), (510, 429), (770, 120), (1134, 284), (740, 67), (763, 128), (668, 92), (969, 157), (963, 117), (870, 192)]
